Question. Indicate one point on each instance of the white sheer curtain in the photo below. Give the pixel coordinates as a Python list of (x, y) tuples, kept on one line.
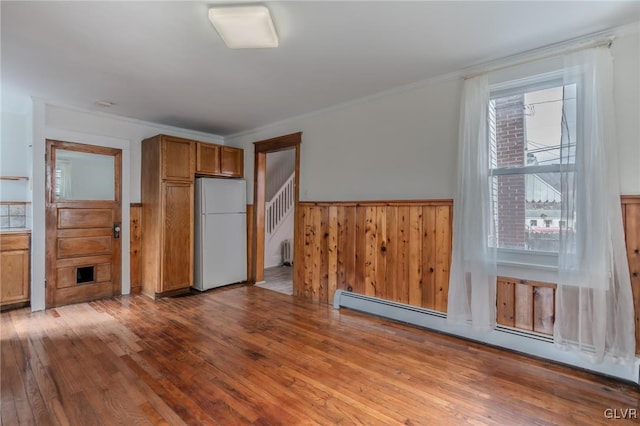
[(472, 283), (594, 307)]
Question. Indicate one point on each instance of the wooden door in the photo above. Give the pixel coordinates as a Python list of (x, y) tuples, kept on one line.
[(83, 222)]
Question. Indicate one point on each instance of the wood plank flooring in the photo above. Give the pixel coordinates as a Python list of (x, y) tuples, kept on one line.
[(246, 355)]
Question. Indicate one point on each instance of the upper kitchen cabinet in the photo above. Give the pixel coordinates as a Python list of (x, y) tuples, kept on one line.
[(207, 159), (231, 161), (177, 157), (218, 160)]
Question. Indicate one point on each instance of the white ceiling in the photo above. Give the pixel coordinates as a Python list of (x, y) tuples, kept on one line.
[(163, 61)]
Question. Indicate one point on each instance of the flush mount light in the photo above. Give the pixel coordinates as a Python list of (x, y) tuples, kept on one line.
[(244, 27)]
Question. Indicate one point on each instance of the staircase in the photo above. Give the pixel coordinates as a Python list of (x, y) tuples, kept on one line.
[(277, 211)]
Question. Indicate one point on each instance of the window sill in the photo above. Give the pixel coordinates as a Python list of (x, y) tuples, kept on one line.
[(528, 271), (522, 265)]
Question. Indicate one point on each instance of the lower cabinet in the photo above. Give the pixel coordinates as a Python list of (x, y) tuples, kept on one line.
[(167, 240), (14, 268), (177, 239)]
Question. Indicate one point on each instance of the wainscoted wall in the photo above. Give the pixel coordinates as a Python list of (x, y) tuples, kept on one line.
[(395, 250), (250, 245), (135, 246)]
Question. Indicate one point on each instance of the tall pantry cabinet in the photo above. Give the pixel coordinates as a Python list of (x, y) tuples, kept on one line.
[(168, 172)]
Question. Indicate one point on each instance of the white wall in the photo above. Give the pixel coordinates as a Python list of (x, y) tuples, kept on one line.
[(403, 145), (72, 125), (15, 156), (399, 146), (626, 57)]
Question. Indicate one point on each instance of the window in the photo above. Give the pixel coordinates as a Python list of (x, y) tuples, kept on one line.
[(532, 134)]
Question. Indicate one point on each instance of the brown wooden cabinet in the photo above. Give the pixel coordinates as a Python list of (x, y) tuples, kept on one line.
[(168, 170), (177, 228), (14, 268), (207, 159), (231, 161), (177, 158), (219, 160)]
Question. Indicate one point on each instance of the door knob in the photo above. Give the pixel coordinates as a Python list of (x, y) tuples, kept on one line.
[(116, 230)]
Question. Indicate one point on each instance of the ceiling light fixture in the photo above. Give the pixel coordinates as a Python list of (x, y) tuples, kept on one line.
[(244, 27)]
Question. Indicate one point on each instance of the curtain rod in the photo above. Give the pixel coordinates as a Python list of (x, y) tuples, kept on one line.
[(599, 43)]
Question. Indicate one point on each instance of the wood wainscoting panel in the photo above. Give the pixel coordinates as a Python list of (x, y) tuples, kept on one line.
[(631, 215), (135, 246), (526, 305), (505, 302), (394, 250), (250, 247)]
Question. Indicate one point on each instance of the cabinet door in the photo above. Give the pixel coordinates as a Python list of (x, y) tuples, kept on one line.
[(178, 162), (207, 159), (177, 241), (231, 161), (14, 276)]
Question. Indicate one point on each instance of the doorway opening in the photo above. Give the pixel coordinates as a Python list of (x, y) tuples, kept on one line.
[(279, 216), (276, 184)]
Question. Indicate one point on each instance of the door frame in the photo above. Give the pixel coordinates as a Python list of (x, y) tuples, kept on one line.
[(261, 149), (41, 133)]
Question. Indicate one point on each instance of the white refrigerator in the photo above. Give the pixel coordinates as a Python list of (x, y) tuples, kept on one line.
[(220, 232)]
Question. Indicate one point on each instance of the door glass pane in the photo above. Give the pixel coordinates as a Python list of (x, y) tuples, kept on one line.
[(84, 176)]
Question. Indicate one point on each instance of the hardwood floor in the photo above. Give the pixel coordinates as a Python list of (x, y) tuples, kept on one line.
[(245, 355), (279, 278)]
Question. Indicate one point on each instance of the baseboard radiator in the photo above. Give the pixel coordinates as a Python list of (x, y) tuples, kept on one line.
[(287, 252), (384, 308), (412, 314)]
